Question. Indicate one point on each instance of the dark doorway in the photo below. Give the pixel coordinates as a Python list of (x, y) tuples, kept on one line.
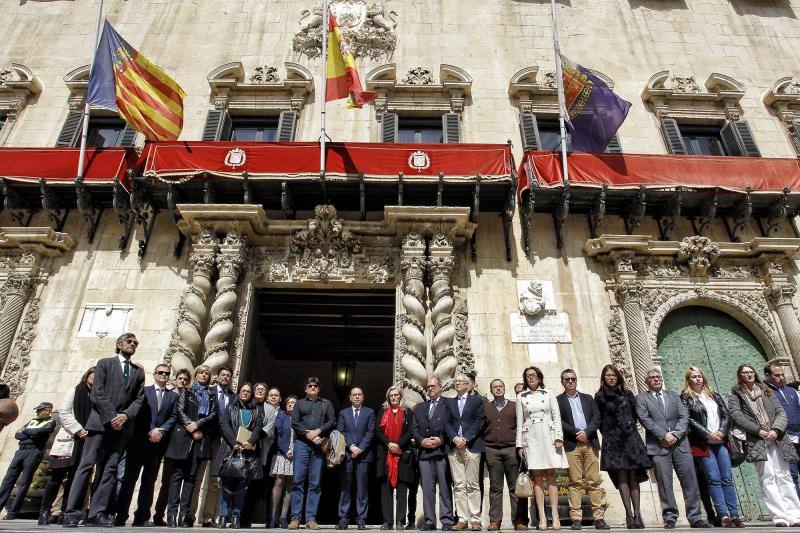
[(304, 332)]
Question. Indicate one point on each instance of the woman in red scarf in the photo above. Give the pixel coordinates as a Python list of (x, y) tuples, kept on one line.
[(395, 457)]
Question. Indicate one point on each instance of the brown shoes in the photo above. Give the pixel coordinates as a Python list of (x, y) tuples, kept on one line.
[(493, 526), (476, 526), (520, 527), (312, 524), (294, 524), (461, 526)]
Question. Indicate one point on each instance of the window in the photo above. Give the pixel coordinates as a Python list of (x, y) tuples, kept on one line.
[(545, 134), (431, 130), (702, 140), (257, 129), (105, 131), (2, 120), (419, 130)]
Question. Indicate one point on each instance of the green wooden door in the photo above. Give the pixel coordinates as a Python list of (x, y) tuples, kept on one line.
[(717, 344)]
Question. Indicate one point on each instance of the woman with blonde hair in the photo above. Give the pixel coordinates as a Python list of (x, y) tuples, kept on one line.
[(395, 465), (755, 410), (709, 425)]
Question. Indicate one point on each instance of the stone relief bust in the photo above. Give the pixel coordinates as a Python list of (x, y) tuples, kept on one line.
[(532, 302)]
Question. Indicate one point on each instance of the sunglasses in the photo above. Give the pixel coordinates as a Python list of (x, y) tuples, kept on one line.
[(312, 386), (162, 373)]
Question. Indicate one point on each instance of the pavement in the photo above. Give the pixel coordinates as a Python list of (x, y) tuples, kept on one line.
[(29, 526)]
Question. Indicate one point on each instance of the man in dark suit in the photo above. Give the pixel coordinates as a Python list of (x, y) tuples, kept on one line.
[(146, 449), (666, 420), (224, 395), (464, 432), (430, 423), (357, 425), (580, 419), (116, 398)]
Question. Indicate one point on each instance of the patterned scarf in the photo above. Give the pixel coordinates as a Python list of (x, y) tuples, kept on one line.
[(755, 398), (392, 426), (201, 392)]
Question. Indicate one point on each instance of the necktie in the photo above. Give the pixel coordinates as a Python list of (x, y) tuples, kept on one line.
[(126, 370), (159, 397), (432, 409), (661, 402), (461, 401), (223, 400), (355, 418)]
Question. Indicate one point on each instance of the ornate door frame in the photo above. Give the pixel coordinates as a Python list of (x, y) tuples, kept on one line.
[(237, 249), (647, 279)]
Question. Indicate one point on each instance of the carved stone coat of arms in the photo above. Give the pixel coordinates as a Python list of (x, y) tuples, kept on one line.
[(368, 28)]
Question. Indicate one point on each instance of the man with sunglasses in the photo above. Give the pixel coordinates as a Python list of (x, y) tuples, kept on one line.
[(116, 398), (580, 420), (313, 420), (146, 449)]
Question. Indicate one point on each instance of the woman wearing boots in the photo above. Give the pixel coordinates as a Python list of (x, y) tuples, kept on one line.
[(190, 445), (239, 414)]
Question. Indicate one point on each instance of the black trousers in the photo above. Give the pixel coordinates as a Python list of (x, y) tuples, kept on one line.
[(102, 450), (143, 458), (387, 499), (181, 484), (163, 492), (23, 466), (57, 477)]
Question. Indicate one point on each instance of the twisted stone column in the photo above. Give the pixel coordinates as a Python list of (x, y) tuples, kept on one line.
[(629, 292), (440, 265), (193, 311), (230, 259), (781, 295), (16, 289), (413, 265)]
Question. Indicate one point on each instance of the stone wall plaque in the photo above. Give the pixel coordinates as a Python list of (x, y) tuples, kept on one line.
[(552, 327)]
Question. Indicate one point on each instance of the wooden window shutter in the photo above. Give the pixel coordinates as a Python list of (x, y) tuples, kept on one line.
[(748, 142), (287, 124), (614, 147), (451, 127), (529, 131), (794, 131), (673, 137), (218, 126), (128, 136), (71, 130), (389, 125)]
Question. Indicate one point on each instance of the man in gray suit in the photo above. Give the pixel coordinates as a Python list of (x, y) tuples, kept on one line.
[(116, 397), (666, 420)]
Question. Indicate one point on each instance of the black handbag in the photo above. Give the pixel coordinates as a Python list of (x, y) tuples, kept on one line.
[(237, 466), (736, 451)]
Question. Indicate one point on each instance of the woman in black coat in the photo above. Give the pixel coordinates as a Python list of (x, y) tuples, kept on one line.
[(190, 444), (622, 453), (239, 414), (395, 466)]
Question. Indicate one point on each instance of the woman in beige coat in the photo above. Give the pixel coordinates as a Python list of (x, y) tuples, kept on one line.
[(540, 440)]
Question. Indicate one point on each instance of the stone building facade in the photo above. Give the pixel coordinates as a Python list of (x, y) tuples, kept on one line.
[(466, 280)]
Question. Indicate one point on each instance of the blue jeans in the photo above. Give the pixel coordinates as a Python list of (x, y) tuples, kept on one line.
[(308, 463), (719, 474), (233, 491)]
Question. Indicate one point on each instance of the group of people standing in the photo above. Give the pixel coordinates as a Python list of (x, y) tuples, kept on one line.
[(110, 420)]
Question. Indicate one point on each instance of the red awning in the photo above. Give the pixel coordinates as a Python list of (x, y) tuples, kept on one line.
[(60, 165), (180, 161), (662, 171)]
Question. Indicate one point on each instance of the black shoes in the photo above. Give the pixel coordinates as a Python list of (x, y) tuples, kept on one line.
[(362, 525), (342, 524), (576, 524), (171, 521), (70, 521), (601, 524), (209, 523), (236, 522), (446, 527), (429, 527), (44, 518), (387, 525), (669, 524), (700, 524)]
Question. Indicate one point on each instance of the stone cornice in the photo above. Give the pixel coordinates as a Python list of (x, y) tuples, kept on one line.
[(645, 245), (42, 241)]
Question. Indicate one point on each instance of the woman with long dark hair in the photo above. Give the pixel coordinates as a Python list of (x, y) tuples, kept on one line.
[(622, 453), (190, 444), (755, 411), (709, 425), (540, 440), (239, 414), (281, 469), (66, 451), (395, 459)]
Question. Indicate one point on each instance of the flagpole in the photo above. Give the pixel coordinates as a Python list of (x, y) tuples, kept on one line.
[(85, 132), (323, 135), (562, 107)]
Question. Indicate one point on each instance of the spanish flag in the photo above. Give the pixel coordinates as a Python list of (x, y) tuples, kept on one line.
[(342, 76), (124, 81)]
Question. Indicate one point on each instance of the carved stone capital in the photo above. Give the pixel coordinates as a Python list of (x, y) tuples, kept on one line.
[(628, 291), (202, 264), (18, 285), (232, 254), (780, 293), (413, 268), (441, 267)]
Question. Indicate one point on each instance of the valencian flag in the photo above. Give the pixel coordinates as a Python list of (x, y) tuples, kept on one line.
[(593, 112), (342, 75), (124, 81)]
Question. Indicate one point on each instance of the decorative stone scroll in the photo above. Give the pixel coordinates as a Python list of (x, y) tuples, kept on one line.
[(15, 373)]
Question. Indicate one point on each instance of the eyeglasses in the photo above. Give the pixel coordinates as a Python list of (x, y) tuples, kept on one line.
[(431, 386), (312, 386), (162, 373), (531, 376), (570, 379), (131, 341)]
